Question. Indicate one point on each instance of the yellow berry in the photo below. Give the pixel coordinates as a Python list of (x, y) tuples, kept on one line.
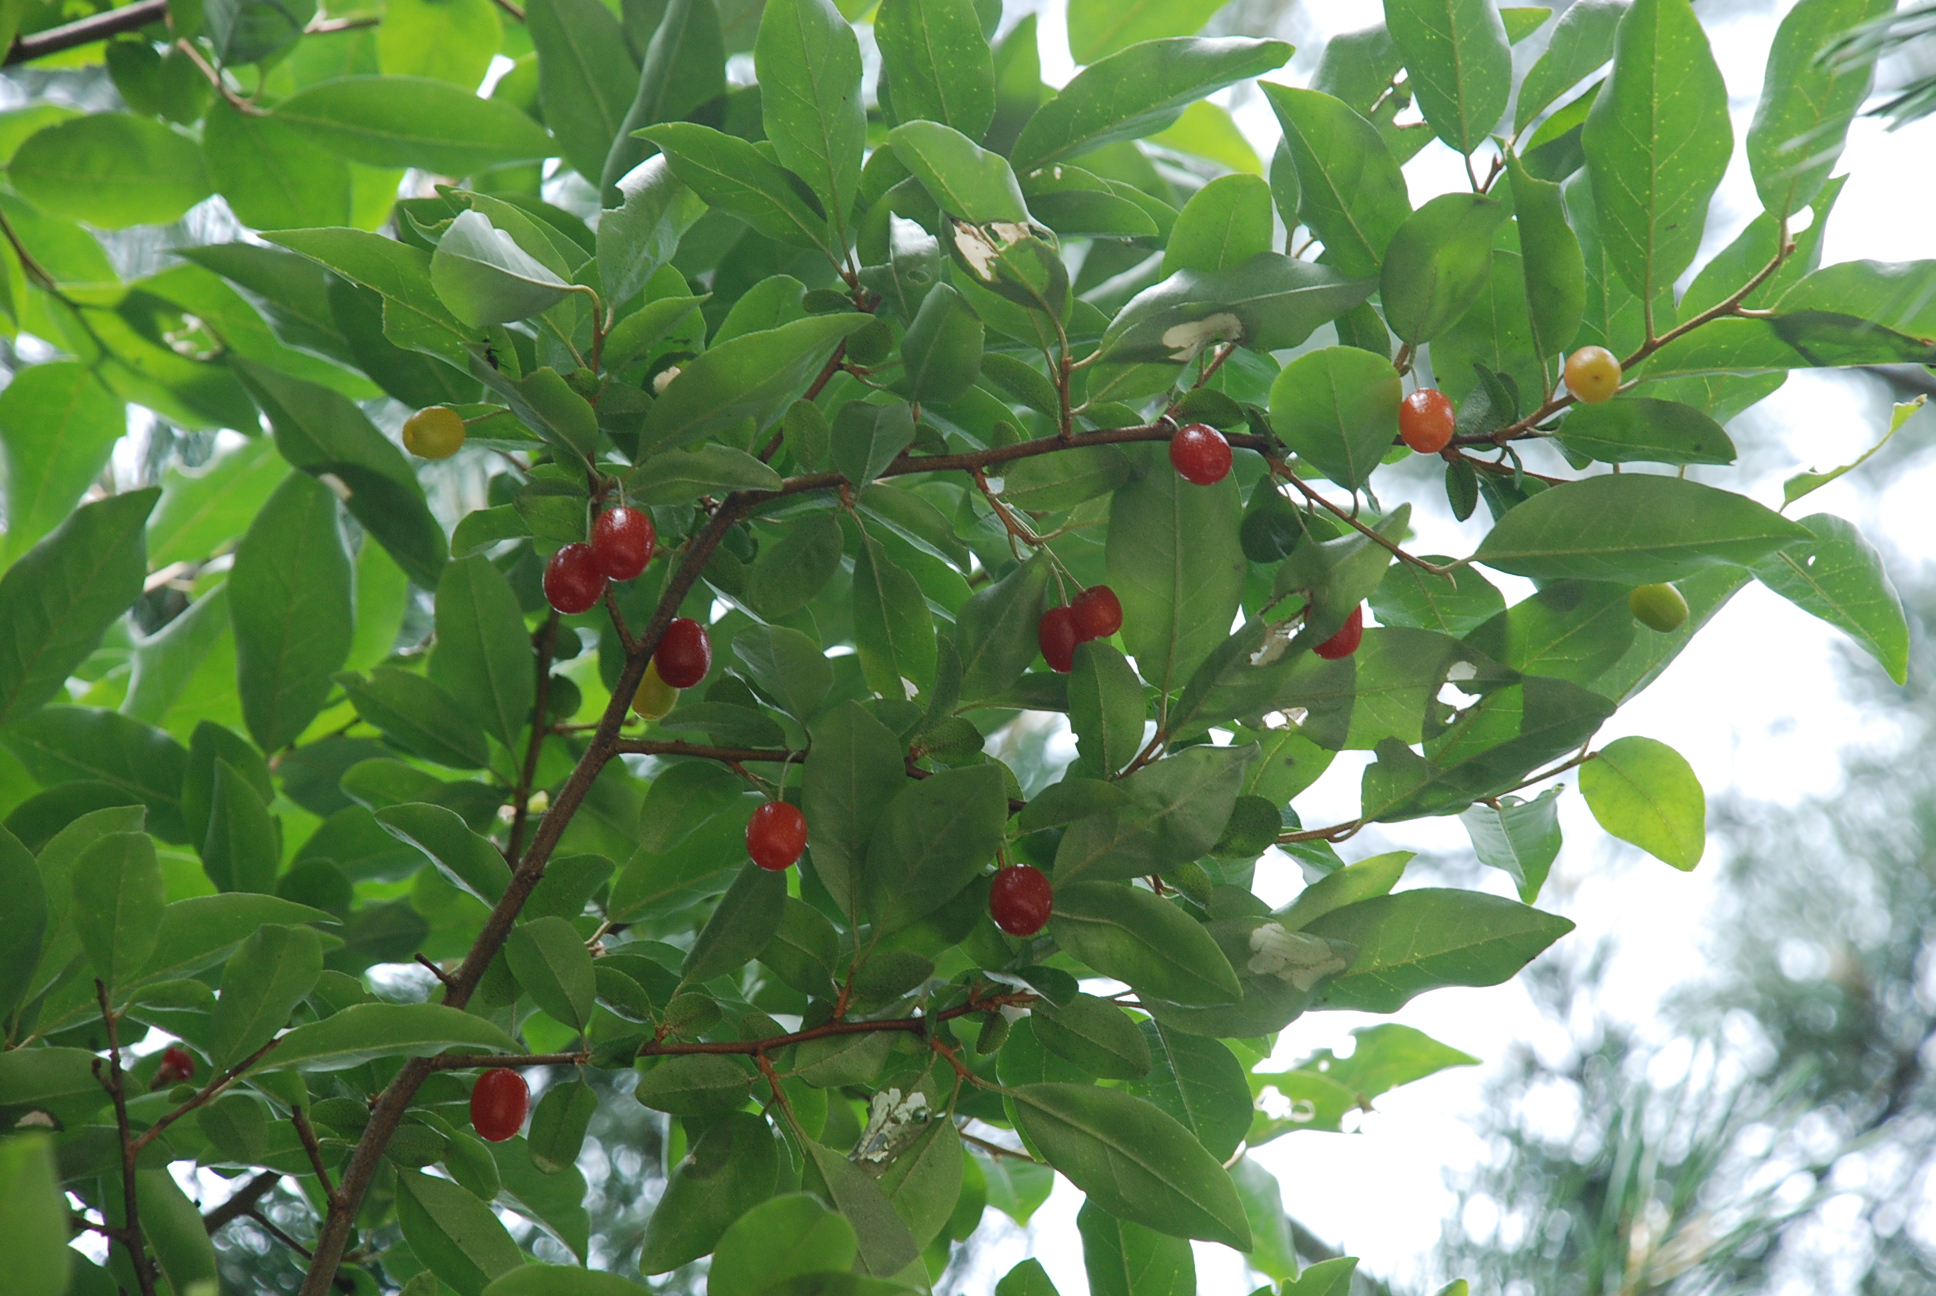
[(434, 433), (1592, 374), (655, 698), (1658, 607)]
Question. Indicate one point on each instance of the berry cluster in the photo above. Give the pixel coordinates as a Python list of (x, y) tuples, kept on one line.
[(1096, 613), (622, 543)]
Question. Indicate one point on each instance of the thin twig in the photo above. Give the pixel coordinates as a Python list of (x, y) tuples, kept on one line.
[(242, 1201), (307, 1134), (86, 31), (215, 1086), (996, 1148), (235, 100), (435, 971), (144, 1267)]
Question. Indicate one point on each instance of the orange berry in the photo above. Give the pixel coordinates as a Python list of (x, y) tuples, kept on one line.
[(1592, 374)]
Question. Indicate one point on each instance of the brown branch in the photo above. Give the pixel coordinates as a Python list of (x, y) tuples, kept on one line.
[(144, 1267), (85, 31), (206, 1092), (235, 101), (508, 7), (486, 1061), (242, 1201), (1345, 516), (618, 619), (435, 971), (755, 1048), (1335, 833), (307, 1134), (263, 1222)]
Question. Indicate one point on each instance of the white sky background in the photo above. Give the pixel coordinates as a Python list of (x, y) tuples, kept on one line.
[(1754, 704)]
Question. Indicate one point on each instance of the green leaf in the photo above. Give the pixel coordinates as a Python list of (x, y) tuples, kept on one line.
[(1124, 1259), (58, 599), (1132, 1160), (932, 839), (1643, 791), (451, 40), (1581, 42), (964, 179), (807, 59), (1568, 629), (110, 170), (1337, 407), (866, 438), (1134, 936), (1438, 263), (742, 925), (1094, 1034), (923, 1182), (557, 1280), (242, 845), (453, 1233), (1225, 223), (756, 375), (731, 173), (936, 63), (274, 175), (1633, 528), (413, 315), (59, 744), (482, 652), (1106, 709), (1028, 1278), (781, 1238), (886, 1246), (1637, 429), (419, 715), (1808, 99), (694, 1084), (57, 427), (1201, 1083), (199, 513), (1179, 807), (1553, 265), (118, 899), (1520, 838), (1354, 197), (1839, 577), (1138, 91), (789, 574), (23, 924), (1268, 303), (468, 860), (1801, 339), (1409, 598), (1657, 141), (685, 70), (263, 981), (1460, 65), (405, 121), (1175, 561), (942, 352), (893, 629), (484, 277), (586, 79), (787, 666), (636, 238), (853, 769), (996, 630), (803, 950), (289, 602), (365, 1031), (1428, 938), (549, 959), (33, 1211), (1098, 28)]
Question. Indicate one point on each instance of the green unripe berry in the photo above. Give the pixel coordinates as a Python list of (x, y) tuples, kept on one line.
[(434, 433), (871, 344), (1658, 607), (583, 381)]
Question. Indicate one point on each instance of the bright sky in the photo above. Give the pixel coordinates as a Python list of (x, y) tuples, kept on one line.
[(1754, 705)]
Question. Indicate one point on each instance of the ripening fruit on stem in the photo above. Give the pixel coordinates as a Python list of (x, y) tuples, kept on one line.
[(654, 698), (1021, 899), (1098, 613), (1346, 641), (622, 540), (177, 1064), (499, 1101), (1200, 455), (1592, 374), (434, 433), (685, 653), (1058, 636), (572, 581), (775, 835), (1426, 420), (1658, 607)]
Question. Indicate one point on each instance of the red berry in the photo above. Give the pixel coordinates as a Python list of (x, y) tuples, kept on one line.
[(1098, 612), (775, 835), (1057, 634), (622, 540), (176, 1064), (1200, 454), (572, 581), (499, 1101), (1426, 420), (1346, 641), (1021, 899), (685, 653)]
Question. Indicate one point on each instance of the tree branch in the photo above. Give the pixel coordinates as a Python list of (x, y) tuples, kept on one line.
[(207, 1091), (242, 1201), (544, 643), (85, 31), (307, 1134), (144, 1267)]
